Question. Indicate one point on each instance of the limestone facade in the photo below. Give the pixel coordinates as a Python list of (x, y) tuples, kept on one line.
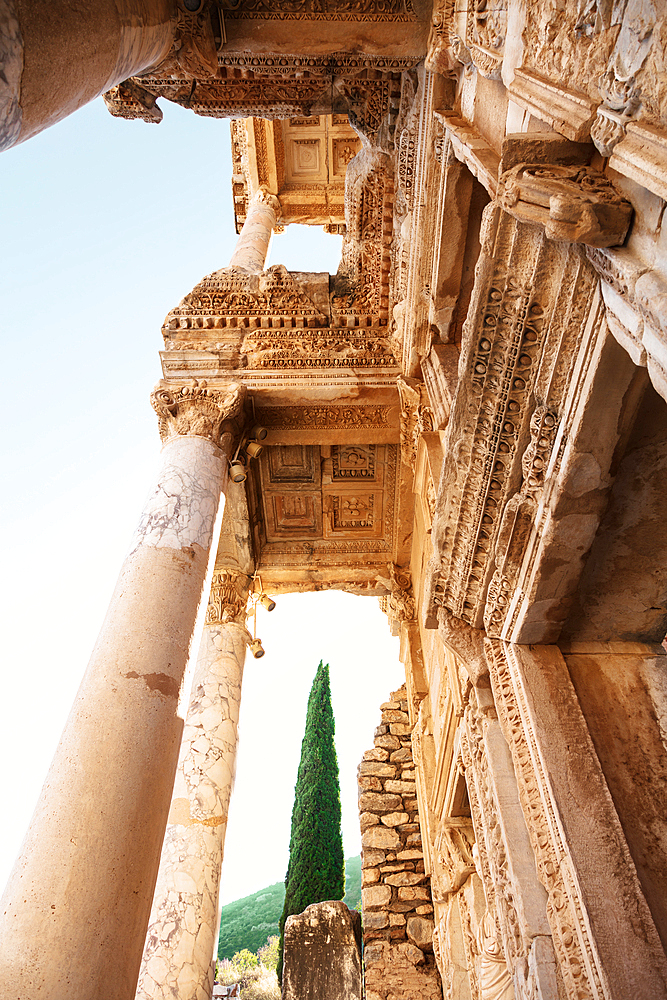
[(467, 421)]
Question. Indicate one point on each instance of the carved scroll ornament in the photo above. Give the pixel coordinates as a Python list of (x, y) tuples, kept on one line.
[(195, 409), (576, 204)]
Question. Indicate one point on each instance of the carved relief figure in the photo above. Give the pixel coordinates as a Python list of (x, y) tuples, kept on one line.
[(494, 979)]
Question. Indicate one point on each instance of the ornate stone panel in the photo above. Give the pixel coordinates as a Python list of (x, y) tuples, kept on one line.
[(325, 10), (530, 306)]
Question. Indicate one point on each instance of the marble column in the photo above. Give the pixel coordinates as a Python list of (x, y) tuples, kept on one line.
[(74, 915), (56, 56), (252, 247), (181, 944)]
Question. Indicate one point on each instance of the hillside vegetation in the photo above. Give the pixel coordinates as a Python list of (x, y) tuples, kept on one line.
[(248, 922)]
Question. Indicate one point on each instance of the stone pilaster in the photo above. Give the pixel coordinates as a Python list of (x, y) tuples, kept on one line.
[(75, 911), (180, 951), (252, 247)]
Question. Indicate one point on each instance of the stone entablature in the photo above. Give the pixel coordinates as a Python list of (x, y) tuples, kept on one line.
[(396, 891)]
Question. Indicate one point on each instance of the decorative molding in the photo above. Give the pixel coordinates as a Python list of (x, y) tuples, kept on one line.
[(196, 410), (577, 955), (325, 10), (322, 417)]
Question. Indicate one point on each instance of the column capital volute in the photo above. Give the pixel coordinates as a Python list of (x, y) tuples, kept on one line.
[(264, 197), (195, 409)]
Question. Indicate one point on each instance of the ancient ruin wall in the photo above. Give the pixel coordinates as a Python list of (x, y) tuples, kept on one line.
[(396, 892)]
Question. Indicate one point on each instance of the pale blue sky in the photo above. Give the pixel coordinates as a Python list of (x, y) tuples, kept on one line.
[(105, 225)]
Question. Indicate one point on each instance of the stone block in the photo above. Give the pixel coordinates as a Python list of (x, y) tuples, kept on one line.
[(371, 802), (411, 954), (394, 715), (404, 878), (411, 855), (368, 819), (398, 728), (401, 756), (400, 787), (389, 704), (369, 876), (377, 754), (376, 921), (322, 955), (408, 893), (379, 769), (381, 837), (397, 919), (369, 858), (394, 819), (375, 897), (388, 743), (420, 932), (369, 783)]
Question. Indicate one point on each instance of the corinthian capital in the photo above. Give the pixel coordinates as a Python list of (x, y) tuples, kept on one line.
[(196, 409)]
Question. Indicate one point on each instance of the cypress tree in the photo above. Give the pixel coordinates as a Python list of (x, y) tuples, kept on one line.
[(316, 869)]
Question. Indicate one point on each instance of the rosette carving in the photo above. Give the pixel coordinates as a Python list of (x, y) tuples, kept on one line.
[(196, 409)]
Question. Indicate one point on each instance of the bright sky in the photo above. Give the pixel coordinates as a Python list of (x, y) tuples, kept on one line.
[(105, 225)]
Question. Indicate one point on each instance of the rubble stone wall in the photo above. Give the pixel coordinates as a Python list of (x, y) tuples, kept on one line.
[(396, 892)]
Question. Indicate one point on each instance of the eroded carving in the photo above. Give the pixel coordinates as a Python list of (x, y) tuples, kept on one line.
[(575, 204), (196, 409), (226, 602)]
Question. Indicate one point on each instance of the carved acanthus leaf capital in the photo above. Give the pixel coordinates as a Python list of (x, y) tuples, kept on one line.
[(196, 409), (228, 598)]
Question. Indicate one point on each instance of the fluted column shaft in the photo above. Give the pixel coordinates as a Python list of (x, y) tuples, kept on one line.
[(75, 911), (180, 952), (252, 247)]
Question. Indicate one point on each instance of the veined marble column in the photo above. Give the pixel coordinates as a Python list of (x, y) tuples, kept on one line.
[(181, 944), (73, 917), (252, 247)]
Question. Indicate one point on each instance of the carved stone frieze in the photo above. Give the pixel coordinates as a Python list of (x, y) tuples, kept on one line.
[(531, 303), (227, 598), (196, 409), (320, 417), (478, 41), (367, 88), (325, 10), (576, 204), (326, 348)]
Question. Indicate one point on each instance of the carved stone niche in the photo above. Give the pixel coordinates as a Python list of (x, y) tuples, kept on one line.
[(453, 860), (576, 204)]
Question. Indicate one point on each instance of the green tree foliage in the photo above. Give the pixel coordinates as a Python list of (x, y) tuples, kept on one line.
[(316, 868)]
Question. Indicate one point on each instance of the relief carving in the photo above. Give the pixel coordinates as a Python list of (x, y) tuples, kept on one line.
[(196, 409), (326, 10), (576, 204), (575, 950), (416, 417), (453, 860), (226, 603)]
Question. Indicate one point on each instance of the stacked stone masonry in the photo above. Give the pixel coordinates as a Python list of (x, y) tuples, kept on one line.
[(395, 890)]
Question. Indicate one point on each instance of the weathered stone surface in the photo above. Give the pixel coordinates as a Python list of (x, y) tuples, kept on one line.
[(376, 754), (377, 768), (394, 819), (370, 802), (400, 787), (381, 837), (388, 742), (404, 878), (376, 921), (368, 819), (322, 953), (420, 932), (375, 896), (370, 858)]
